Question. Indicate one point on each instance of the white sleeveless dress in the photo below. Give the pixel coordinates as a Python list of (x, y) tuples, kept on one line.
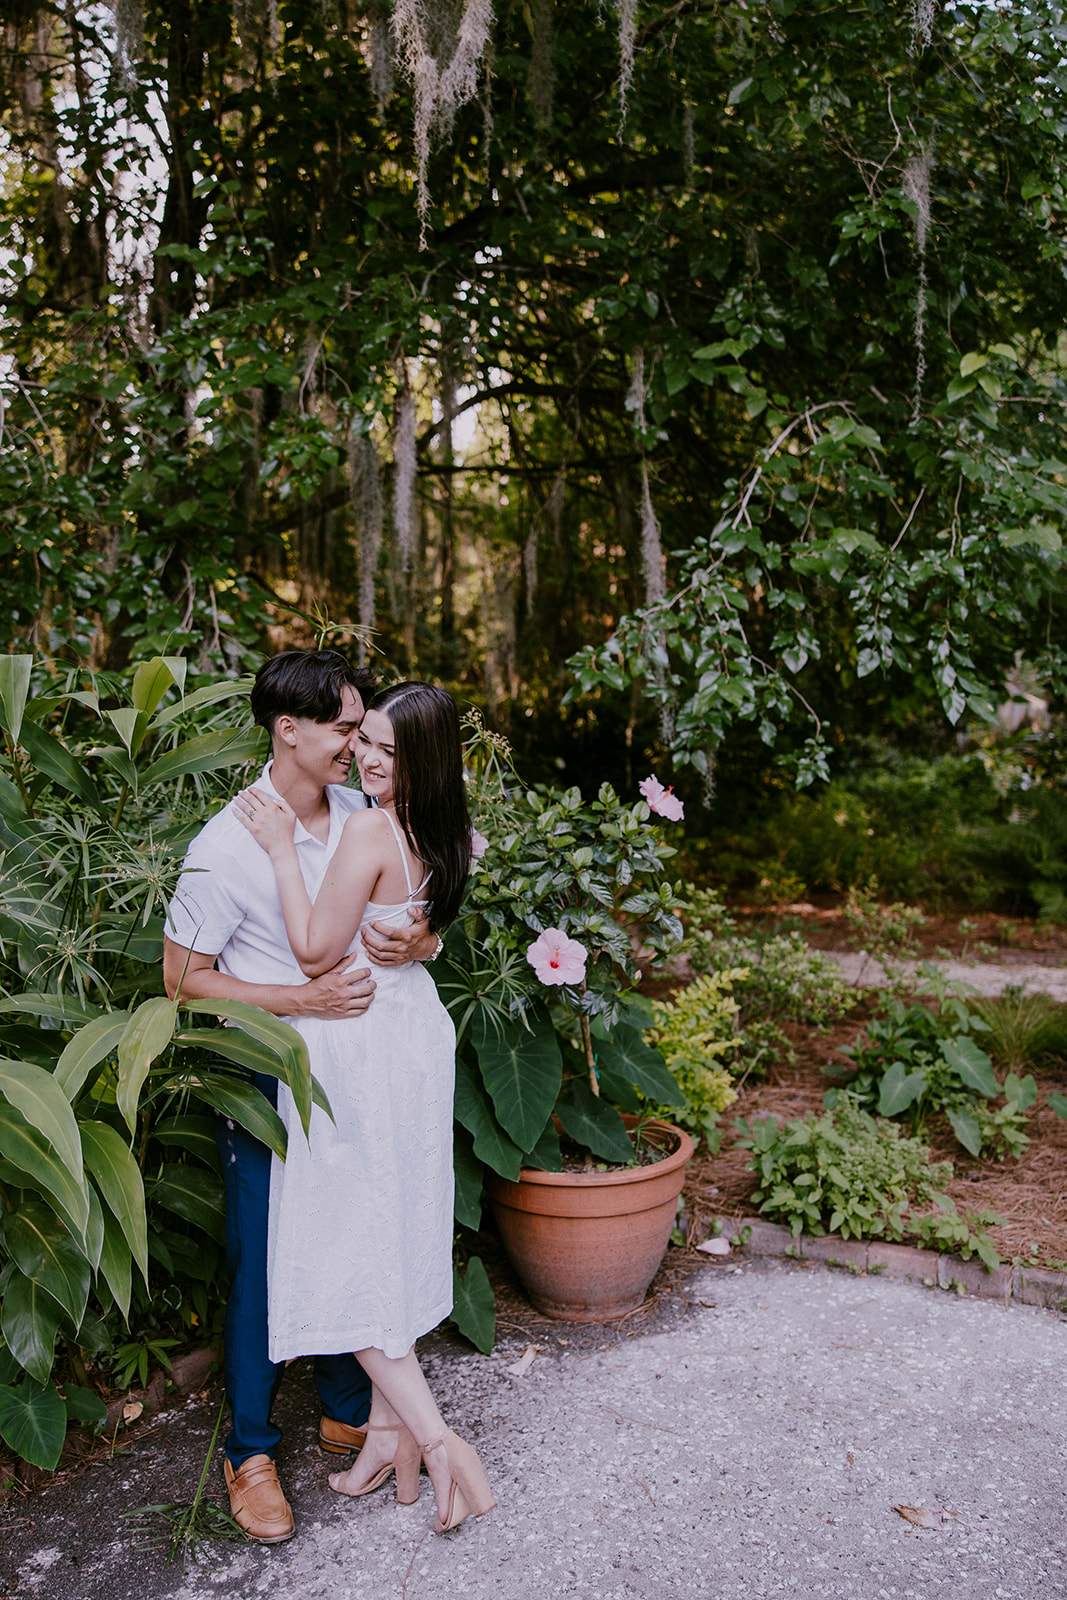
[(360, 1234)]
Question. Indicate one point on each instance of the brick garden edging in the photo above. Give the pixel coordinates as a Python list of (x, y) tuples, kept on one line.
[(1027, 1285)]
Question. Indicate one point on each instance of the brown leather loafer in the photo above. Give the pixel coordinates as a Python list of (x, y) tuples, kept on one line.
[(338, 1439), (259, 1507)]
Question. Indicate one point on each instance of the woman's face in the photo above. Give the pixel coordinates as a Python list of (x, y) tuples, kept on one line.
[(374, 756)]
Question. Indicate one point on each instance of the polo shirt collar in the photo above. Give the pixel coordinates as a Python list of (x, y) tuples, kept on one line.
[(300, 834)]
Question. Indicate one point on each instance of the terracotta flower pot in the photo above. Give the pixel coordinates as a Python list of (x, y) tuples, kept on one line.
[(587, 1245)]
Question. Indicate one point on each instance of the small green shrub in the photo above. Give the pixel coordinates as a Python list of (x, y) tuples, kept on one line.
[(697, 1035), (963, 1233), (845, 1172), (782, 981), (925, 1062)]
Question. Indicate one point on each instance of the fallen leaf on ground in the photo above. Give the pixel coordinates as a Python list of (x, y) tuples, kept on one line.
[(715, 1247), (520, 1368), (927, 1516), (132, 1410)]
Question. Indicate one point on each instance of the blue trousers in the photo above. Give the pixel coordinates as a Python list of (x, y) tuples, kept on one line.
[(252, 1379)]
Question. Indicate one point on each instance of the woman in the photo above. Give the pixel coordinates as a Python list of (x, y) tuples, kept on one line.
[(360, 1253)]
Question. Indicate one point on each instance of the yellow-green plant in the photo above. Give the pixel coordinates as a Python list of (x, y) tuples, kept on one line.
[(697, 1034)]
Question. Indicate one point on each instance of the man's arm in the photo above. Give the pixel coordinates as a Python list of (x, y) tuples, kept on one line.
[(337, 993)]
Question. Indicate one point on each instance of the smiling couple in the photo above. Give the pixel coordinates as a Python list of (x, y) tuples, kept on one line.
[(287, 898)]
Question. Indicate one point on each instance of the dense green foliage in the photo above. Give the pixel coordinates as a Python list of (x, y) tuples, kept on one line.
[(806, 287), (856, 1175)]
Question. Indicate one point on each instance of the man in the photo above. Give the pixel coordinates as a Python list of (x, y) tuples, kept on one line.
[(226, 940)]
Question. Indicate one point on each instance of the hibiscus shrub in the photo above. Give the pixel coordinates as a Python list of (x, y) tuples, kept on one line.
[(539, 971)]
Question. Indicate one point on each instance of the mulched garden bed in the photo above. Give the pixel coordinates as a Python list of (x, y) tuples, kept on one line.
[(1031, 1193), (963, 935)]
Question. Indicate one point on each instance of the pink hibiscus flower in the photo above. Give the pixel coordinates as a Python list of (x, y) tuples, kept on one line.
[(479, 843), (557, 959), (663, 801)]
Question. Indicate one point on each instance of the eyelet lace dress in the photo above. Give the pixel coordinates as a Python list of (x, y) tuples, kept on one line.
[(360, 1233)]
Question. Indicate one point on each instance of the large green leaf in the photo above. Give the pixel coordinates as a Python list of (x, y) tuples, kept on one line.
[(94, 1230), (474, 1110), (82, 1405), (116, 1263), (195, 1135), (42, 1102), (239, 1100), (473, 1306), (207, 696), (56, 762), (56, 1007), (14, 688), (468, 1170), (89, 1046), (522, 1070), (209, 752), (31, 1321), (150, 683), (899, 1089), (972, 1065), (118, 1177), (545, 1155), (628, 1057), (22, 1145), (43, 1250), (284, 1040), (193, 1194), (591, 1122), (965, 1127), (33, 1422), (146, 1036), (251, 1053)]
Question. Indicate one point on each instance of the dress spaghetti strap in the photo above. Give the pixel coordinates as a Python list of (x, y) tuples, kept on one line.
[(403, 855)]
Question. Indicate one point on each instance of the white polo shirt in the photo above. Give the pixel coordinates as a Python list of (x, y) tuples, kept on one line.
[(227, 904)]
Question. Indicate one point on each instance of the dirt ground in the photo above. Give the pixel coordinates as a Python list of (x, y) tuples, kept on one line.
[(1031, 1193)]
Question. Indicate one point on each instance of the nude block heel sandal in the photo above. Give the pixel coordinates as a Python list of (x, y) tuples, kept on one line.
[(469, 1493), (405, 1464)]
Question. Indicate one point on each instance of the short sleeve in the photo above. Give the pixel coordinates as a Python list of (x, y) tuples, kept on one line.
[(205, 911)]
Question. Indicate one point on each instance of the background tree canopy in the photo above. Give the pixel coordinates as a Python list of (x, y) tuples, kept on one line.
[(726, 350)]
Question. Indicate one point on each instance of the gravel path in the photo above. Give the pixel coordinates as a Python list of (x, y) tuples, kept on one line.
[(984, 977), (757, 1449)]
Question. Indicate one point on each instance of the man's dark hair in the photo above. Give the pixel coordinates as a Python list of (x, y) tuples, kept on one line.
[(306, 683)]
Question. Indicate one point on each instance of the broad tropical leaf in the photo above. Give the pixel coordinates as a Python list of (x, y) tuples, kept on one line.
[(43, 1250), (193, 1194), (224, 690), (116, 1263), (150, 683), (475, 1112), (238, 1099), (146, 1036), (33, 1422), (473, 1306), (545, 1155), (972, 1065), (14, 689), (21, 1144), (31, 1321), (210, 752), (899, 1089), (118, 1177), (522, 1070), (193, 1134), (89, 1046), (57, 1007), (286, 1043), (57, 763), (468, 1169), (590, 1121), (42, 1102), (965, 1127), (82, 1405), (627, 1056)]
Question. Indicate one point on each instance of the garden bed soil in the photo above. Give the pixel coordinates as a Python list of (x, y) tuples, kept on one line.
[(973, 935), (1030, 1194)]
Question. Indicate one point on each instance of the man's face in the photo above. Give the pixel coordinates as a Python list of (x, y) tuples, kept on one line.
[(324, 750)]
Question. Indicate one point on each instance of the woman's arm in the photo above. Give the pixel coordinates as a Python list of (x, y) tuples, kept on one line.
[(319, 933)]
